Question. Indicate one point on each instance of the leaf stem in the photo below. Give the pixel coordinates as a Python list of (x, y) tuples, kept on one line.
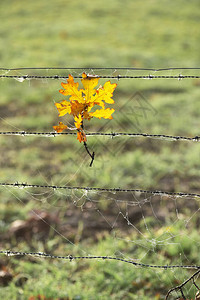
[(88, 151), (91, 155)]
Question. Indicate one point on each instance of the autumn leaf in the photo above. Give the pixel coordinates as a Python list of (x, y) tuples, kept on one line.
[(63, 107), (89, 83), (81, 136), (60, 127), (103, 113), (105, 93), (82, 101), (78, 121), (71, 88)]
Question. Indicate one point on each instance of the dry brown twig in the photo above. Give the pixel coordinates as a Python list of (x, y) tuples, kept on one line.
[(179, 287)]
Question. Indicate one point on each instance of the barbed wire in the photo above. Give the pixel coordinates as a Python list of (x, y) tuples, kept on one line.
[(90, 257), (112, 190), (111, 134), (71, 258), (118, 77), (98, 70)]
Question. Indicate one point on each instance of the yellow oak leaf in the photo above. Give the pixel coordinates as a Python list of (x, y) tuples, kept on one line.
[(81, 136), (78, 121), (71, 88), (104, 93), (64, 107), (88, 83), (103, 113), (60, 127), (82, 101)]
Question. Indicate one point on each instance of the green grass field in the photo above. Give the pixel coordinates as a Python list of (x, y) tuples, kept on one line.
[(148, 229)]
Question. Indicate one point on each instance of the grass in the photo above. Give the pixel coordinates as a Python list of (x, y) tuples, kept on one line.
[(85, 34), (110, 34)]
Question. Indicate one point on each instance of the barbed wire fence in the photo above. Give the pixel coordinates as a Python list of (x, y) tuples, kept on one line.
[(93, 72)]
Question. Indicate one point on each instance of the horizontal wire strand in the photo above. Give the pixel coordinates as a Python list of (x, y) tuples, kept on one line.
[(118, 77), (100, 68), (112, 135), (71, 258), (113, 190)]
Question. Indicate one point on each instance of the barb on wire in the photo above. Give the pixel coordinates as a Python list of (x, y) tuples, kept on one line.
[(112, 135), (112, 190), (90, 257), (180, 287)]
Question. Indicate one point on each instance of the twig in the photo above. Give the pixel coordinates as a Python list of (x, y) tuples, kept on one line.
[(85, 144), (91, 155), (195, 284), (179, 287)]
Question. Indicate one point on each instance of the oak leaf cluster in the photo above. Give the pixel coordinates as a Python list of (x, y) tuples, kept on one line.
[(82, 101)]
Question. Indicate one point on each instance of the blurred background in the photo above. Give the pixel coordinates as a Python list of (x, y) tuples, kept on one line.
[(149, 229)]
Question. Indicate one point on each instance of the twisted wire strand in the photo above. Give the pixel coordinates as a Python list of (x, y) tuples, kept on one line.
[(112, 190), (118, 77), (100, 68), (71, 258), (112, 135)]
